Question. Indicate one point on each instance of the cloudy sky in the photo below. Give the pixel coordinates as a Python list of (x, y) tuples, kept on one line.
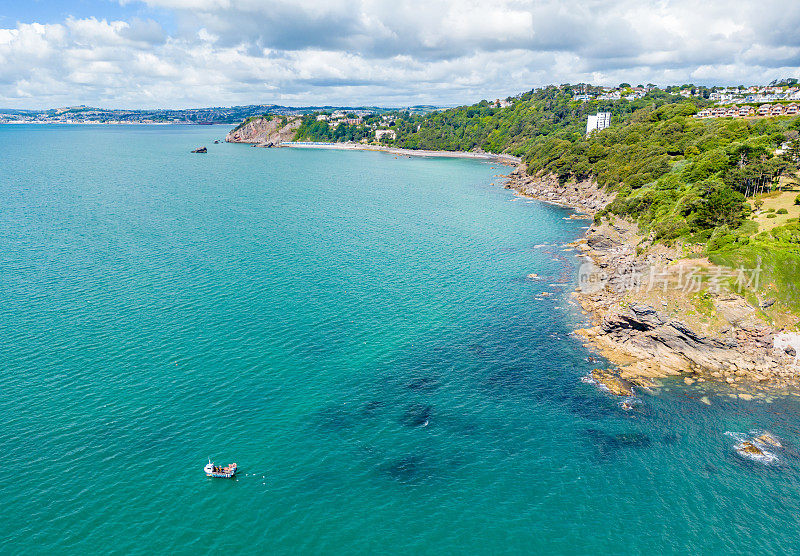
[(185, 53)]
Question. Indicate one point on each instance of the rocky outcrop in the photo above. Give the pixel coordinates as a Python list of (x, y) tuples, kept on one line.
[(611, 382), (641, 332), (646, 343), (730, 343), (585, 196), (201, 150), (265, 131)]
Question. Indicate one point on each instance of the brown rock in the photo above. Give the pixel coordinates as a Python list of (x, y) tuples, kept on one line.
[(750, 448), (767, 438), (614, 384)]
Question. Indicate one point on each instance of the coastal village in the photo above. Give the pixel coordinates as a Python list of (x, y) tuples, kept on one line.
[(753, 101)]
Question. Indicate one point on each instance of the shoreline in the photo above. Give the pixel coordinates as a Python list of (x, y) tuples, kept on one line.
[(646, 334), (499, 158), (649, 333)]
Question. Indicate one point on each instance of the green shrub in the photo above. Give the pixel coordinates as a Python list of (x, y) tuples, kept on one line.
[(797, 200), (782, 211), (770, 210), (772, 215), (720, 237)]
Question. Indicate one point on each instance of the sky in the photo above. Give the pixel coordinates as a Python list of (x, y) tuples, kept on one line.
[(195, 53)]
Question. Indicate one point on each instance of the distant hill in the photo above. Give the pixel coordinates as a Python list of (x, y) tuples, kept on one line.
[(211, 115)]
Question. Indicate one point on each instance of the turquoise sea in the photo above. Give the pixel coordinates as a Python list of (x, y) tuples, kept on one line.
[(356, 330)]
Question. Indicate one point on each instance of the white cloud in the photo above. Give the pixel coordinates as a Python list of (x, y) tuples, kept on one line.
[(399, 52)]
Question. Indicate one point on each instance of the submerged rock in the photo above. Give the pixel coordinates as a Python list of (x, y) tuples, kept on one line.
[(371, 408), (417, 415), (612, 383), (608, 444), (335, 418), (405, 469), (423, 383), (507, 382), (201, 150)]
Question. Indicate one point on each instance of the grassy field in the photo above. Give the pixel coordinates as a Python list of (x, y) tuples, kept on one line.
[(773, 202)]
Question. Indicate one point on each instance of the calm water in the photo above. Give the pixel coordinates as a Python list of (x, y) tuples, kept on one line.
[(356, 331)]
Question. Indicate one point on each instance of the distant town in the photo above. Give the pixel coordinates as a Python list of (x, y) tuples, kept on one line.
[(199, 116)]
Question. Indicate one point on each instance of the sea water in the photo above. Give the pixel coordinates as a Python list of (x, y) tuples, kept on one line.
[(357, 331)]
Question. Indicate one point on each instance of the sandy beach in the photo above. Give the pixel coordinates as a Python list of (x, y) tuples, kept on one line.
[(500, 158)]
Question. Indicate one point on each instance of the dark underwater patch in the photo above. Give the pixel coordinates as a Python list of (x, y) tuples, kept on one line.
[(670, 439), (608, 445), (711, 469), (417, 415), (509, 382), (406, 469), (335, 418), (370, 409), (423, 384)]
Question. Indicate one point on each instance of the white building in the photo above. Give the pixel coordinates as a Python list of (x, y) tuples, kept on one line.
[(599, 121), (381, 133)]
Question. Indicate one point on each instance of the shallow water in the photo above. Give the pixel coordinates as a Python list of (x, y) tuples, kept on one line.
[(357, 332)]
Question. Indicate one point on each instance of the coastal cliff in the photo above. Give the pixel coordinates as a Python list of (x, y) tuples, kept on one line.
[(266, 131), (656, 311)]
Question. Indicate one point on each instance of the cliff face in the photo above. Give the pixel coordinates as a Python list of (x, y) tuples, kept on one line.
[(265, 132)]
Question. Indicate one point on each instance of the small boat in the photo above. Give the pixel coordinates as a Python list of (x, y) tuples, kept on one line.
[(218, 471)]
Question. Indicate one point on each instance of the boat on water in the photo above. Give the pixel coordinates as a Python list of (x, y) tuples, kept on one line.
[(219, 471)]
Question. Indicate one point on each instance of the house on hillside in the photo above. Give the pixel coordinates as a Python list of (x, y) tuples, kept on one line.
[(745, 111), (776, 110), (763, 110), (704, 113), (791, 110)]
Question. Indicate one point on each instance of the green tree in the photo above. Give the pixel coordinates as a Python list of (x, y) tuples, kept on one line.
[(721, 206)]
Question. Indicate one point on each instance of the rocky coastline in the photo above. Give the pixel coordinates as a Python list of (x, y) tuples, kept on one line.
[(650, 329)]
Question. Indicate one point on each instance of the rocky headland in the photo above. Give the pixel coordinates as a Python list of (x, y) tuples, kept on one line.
[(660, 311), (265, 131)]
